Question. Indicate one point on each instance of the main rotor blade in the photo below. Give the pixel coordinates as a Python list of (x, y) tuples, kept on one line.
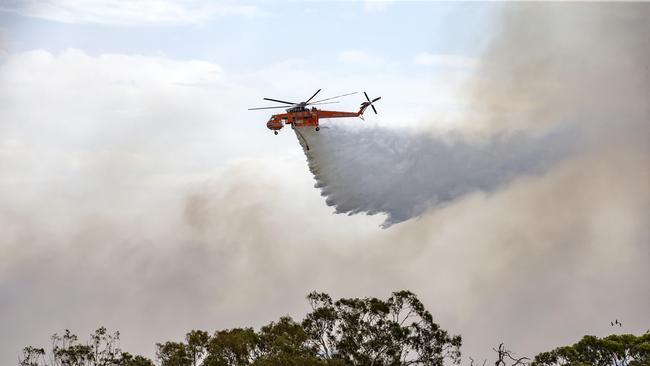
[(312, 97), (324, 103), (279, 101), (253, 109), (338, 96)]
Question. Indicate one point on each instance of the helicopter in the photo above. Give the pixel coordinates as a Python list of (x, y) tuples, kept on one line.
[(306, 114)]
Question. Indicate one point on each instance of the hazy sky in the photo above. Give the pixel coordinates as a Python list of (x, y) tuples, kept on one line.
[(138, 193)]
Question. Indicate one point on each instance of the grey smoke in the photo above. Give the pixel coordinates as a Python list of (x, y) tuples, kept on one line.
[(538, 262)]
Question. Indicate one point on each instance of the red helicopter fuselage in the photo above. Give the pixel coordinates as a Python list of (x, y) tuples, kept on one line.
[(304, 114), (302, 117)]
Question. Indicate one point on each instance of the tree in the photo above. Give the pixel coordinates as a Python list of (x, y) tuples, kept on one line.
[(174, 354), (320, 324), (613, 350), (369, 331), (32, 356), (504, 355), (234, 347), (286, 343), (128, 360), (366, 331), (102, 350), (197, 341), (278, 343)]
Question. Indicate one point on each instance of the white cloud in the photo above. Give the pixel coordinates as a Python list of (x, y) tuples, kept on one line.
[(127, 117), (133, 13), (447, 60)]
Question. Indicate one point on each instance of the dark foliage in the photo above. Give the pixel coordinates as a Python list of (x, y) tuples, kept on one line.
[(397, 331), (613, 350), (369, 331), (102, 350)]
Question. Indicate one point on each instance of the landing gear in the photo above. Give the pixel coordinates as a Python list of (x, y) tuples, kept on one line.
[(275, 132), (317, 128)]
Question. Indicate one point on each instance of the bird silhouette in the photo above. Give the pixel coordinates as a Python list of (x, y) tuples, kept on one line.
[(618, 323)]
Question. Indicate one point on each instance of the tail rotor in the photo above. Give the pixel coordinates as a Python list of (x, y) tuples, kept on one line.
[(370, 102)]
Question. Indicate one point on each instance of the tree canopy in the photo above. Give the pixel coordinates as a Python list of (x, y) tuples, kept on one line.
[(368, 331), (397, 331), (613, 350), (102, 349)]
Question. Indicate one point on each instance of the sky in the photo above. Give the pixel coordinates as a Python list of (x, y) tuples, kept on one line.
[(139, 193)]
